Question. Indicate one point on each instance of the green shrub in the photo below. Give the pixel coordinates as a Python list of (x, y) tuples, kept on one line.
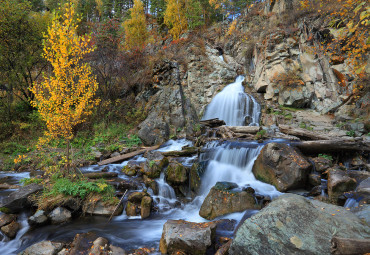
[(351, 133), (27, 181), (325, 156)]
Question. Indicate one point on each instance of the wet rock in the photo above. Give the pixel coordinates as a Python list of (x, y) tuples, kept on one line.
[(282, 166), (338, 183), (18, 200), (191, 238), (153, 168), (359, 176), (38, 219), (131, 169), (117, 250), (176, 173), (132, 209), (321, 164), (11, 229), (153, 155), (100, 247), (146, 207), (136, 197), (5, 219), (194, 178), (314, 179), (316, 191), (60, 215), (123, 184), (43, 248), (223, 200), (292, 224), (102, 209), (151, 184), (82, 243)]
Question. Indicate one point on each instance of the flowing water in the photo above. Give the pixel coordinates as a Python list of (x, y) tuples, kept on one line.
[(224, 161), (234, 106)]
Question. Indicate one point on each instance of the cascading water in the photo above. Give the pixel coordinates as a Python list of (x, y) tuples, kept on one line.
[(234, 106)]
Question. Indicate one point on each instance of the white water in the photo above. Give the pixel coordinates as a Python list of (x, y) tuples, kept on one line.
[(234, 106)]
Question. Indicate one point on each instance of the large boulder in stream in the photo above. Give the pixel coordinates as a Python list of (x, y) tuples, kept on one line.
[(43, 248), (282, 166), (292, 224), (187, 237), (102, 208), (223, 199), (139, 203), (60, 215), (338, 183), (18, 200)]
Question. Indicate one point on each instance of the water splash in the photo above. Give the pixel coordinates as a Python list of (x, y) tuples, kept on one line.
[(234, 106)]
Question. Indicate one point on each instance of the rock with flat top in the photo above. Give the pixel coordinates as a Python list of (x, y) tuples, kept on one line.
[(43, 248)]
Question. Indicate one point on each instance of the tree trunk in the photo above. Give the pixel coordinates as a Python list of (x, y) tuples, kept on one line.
[(68, 156), (347, 246), (303, 133), (332, 145)]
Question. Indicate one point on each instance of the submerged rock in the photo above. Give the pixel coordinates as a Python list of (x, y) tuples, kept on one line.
[(43, 248), (188, 237), (292, 224), (282, 166), (223, 200)]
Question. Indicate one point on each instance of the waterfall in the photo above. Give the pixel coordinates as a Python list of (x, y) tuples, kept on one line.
[(234, 106), (233, 162)]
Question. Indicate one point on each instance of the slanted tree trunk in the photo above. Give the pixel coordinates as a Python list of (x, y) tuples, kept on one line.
[(347, 246)]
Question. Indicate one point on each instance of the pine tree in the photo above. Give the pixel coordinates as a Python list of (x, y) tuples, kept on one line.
[(136, 34)]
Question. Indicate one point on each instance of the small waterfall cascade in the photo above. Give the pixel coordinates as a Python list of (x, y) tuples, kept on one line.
[(234, 106), (233, 162)]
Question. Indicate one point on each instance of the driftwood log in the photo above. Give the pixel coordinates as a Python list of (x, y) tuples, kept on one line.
[(303, 133), (9, 186), (212, 123), (224, 249), (185, 152), (347, 246), (244, 129), (332, 146), (126, 156)]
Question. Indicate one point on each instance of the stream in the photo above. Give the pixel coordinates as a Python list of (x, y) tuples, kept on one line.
[(230, 161)]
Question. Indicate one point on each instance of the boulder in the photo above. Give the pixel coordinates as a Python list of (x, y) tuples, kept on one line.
[(100, 247), (314, 179), (123, 184), (364, 188), (117, 250), (300, 97), (338, 183), (153, 168), (189, 237), (131, 168), (11, 229), (176, 173), (194, 178), (132, 209), (321, 164), (38, 219), (43, 248), (146, 207), (18, 200), (282, 166), (292, 224), (102, 209), (5, 219), (222, 199), (60, 215), (153, 130), (82, 243)]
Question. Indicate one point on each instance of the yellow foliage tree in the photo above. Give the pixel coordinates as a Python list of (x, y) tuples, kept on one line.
[(175, 17), (66, 97), (136, 34)]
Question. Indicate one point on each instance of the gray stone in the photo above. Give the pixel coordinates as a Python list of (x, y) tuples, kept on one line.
[(60, 215), (292, 224), (189, 237), (43, 248), (102, 209), (18, 200), (5, 219), (222, 199), (117, 250), (338, 183), (38, 219), (11, 229)]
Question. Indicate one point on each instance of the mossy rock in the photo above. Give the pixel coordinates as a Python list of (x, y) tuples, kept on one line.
[(176, 173), (195, 181)]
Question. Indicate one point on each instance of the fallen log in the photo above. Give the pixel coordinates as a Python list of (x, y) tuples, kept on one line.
[(224, 250), (303, 133), (212, 122), (347, 246), (244, 129), (332, 146), (9, 186), (225, 132), (185, 152), (126, 156), (99, 175)]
